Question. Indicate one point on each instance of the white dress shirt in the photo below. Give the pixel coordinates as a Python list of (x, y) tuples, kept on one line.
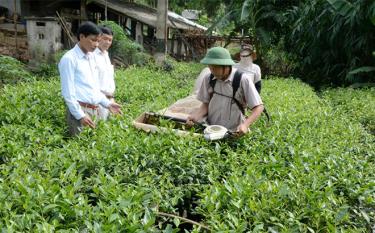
[(79, 81), (106, 71)]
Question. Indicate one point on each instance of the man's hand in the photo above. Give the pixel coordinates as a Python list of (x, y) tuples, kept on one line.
[(115, 108), (255, 113), (191, 120), (243, 129), (86, 121)]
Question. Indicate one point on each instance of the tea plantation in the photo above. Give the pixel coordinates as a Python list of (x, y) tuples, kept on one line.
[(310, 170)]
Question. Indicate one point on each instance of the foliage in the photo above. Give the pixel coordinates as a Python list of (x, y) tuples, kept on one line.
[(357, 104), (203, 20), (278, 62), (124, 48), (59, 55), (49, 70), (293, 169), (261, 20), (246, 15), (179, 5), (332, 38), (311, 170), (12, 71), (45, 70)]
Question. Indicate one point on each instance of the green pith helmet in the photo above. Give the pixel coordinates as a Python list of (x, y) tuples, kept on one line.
[(218, 56)]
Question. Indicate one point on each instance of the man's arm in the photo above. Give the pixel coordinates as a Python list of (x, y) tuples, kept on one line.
[(255, 114), (112, 106), (198, 114), (203, 95), (66, 70), (253, 101)]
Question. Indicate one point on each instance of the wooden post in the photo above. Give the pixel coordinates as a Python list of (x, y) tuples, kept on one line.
[(150, 32), (186, 52), (133, 28), (161, 31), (124, 25), (172, 44), (15, 27), (179, 47), (105, 11), (139, 33), (83, 11)]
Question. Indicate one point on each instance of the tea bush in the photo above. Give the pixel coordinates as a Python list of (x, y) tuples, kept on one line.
[(358, 104), (45, 71), (310, 170), (12, 71), (301, 173)]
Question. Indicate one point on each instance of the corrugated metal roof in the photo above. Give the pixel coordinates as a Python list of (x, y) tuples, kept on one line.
[(148, 15)]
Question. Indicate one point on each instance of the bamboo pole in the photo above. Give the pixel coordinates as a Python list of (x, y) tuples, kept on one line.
[(65, 27)]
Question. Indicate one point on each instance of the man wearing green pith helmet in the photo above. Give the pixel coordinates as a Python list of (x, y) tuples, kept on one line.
[(220, 103)]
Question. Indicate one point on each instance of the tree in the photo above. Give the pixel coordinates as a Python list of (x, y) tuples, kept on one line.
[(334, 40), (262, 20)]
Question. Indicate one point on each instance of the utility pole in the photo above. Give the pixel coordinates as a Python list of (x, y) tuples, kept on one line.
[(161, 31)]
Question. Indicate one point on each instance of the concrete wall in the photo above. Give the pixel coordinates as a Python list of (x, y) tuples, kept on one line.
[(44, 39)]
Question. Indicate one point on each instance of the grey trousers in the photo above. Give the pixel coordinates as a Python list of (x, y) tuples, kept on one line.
[(74, 126)]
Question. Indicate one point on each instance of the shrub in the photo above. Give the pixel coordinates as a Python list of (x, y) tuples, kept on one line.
[(13, 71), (333, 40), (128, 51), (45, 71), (278, 62), (357, 104), (49, 70)]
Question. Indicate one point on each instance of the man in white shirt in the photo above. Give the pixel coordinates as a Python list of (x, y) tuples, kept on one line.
[(79, 81), (247, 57), (106, 70)]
